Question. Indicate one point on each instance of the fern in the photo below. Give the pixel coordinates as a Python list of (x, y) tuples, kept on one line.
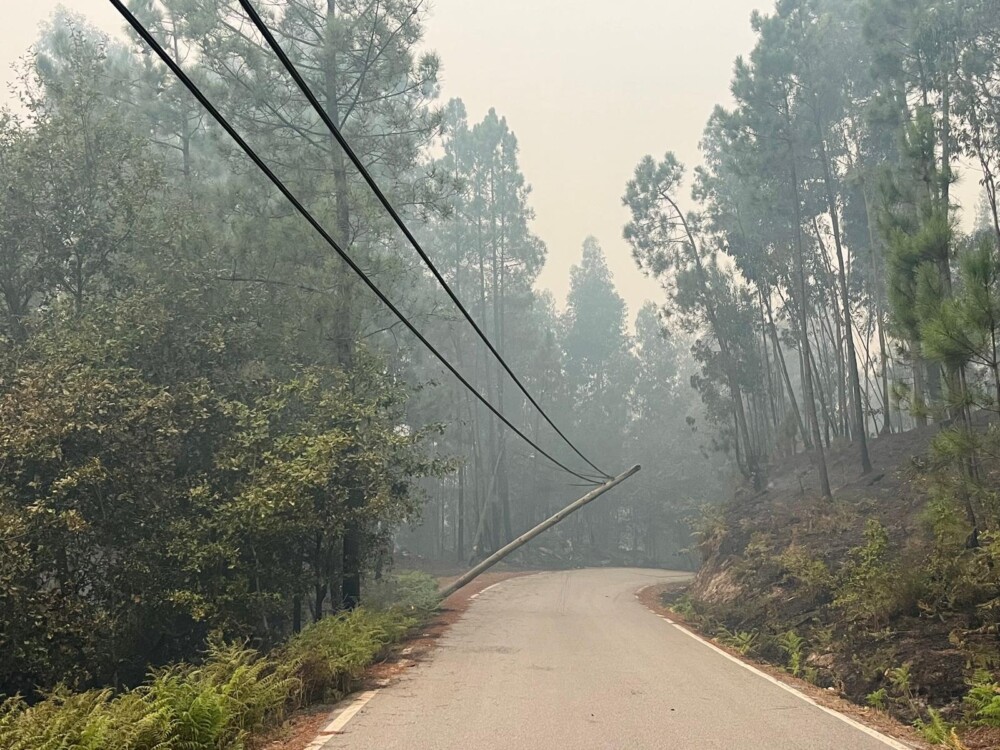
[(939, 732), (234, 697), (741, 641), (983, 700), (793, 645), (879, 699), (331, 654)]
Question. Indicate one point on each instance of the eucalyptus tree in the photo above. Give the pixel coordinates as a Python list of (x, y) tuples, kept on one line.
[(765, 89), (600, 373), (815, 35), (743, 206), (671, 246), (487, 250)]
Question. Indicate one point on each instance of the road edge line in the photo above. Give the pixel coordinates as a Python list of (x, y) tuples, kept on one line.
[(327, 734), (491, 586), (336, 726), (884, 738), (514, 577)]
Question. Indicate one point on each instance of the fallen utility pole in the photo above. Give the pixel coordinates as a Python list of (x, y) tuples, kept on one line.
[(496, 557)]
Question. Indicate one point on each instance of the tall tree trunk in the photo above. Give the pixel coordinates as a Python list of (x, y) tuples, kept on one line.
[(344, 328), (860, 430), (460, 521), (783, 366), (803, 302)]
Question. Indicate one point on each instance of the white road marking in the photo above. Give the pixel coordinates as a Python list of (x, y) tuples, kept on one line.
[(889, 741), (492, 586), (326, 735)]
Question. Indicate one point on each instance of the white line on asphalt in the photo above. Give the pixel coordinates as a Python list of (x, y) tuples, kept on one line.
[(492, 586), (893, 743), (325, 737)]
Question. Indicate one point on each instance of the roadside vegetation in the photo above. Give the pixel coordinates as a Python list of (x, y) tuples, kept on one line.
[(233, 697), (209, 431), (847, 308)]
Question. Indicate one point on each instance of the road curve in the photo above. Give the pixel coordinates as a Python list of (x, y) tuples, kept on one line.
[(573, 660)]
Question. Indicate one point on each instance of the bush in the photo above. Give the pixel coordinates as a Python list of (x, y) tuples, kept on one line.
[(868, 588), (330, 655), (236, 695), (811, 574), (406, 591)]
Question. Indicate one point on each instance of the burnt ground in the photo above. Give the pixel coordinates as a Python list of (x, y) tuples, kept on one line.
[(742, 585)]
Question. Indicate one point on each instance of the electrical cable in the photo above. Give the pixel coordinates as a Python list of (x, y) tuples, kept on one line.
[(314, 223), (334, 129)]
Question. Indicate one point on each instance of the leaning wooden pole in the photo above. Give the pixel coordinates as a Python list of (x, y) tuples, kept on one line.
[(496, 557)]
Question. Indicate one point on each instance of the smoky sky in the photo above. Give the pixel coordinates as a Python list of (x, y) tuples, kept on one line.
[(588, 86)]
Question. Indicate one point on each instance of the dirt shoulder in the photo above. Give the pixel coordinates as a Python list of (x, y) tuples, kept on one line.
[(652, 597), (304, 726)]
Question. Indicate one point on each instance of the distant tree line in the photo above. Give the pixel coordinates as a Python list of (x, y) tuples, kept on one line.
[(821, 259)]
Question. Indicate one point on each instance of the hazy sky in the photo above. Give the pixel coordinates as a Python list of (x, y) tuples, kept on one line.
[(588, 86)]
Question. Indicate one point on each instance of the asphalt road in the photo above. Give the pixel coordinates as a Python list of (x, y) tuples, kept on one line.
[(573, 660)]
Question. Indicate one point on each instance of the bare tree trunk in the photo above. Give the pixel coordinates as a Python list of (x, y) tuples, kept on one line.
[(345, 314), (807, 385), (861, 432), (783, 366)]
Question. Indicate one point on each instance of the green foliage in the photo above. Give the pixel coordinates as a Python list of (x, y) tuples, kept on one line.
[(938, 732), (227, 702), (867, 592), (331, 654), (682, 605), (982, 702), (794, 647), (147, 493), (878, 699), (741, 641), (900, 679), (811, 574), (405, 591)]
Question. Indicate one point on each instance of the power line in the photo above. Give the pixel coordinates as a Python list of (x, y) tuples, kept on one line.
[(314, 223), (338, 135)]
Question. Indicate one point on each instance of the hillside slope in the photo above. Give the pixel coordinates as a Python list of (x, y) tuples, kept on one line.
[(876, 593)]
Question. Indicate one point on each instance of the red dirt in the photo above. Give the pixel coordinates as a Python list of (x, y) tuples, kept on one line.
[(302, 727)]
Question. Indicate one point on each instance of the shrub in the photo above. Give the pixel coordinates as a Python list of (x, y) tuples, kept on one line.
[(983, 700), (867, 590), (811, 574), (406, 591), (331, 654), (793, 645)]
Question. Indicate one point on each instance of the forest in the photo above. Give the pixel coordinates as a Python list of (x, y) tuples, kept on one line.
[(210, 429), (204, 414)]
